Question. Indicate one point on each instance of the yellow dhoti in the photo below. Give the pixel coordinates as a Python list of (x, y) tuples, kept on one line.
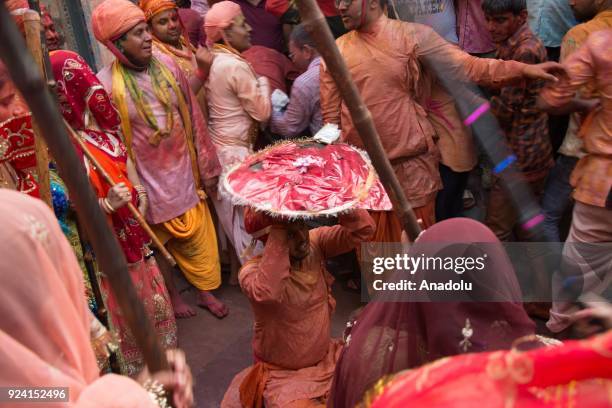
[(191, 239)]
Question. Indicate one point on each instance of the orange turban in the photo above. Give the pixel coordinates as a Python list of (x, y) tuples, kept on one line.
[(218, 18), (152, 7), (17, 8), (13, 5), (113, 18)]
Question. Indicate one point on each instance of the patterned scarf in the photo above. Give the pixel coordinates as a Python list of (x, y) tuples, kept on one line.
[(184, 57), (161, 81)]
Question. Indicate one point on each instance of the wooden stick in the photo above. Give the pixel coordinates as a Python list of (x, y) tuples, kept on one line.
[(88, 259), (98, 167), (35, 39), (38, 48), (32, 86), (316, 25), (35, 5), (32, 25)]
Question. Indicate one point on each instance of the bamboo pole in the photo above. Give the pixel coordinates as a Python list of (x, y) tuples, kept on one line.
[(35, 5), (32, 86), (98, 167), (32, 28), (39, 51), (314, 22)]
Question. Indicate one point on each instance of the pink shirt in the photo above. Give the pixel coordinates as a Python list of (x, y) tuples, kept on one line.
[(165, 170), (237, 99), (471, 28)]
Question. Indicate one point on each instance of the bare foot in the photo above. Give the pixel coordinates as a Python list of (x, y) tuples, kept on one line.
[(208, 301), (181, 309)]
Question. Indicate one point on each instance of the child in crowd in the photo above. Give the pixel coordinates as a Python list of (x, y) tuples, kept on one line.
[(525, 127)]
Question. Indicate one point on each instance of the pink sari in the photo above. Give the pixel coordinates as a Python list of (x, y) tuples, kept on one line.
[(44, 330)]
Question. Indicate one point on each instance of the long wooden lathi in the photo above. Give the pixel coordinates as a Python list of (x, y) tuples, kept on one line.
[(32, 28), (143, 223), (316, 25), (33, 87), (35, 38)]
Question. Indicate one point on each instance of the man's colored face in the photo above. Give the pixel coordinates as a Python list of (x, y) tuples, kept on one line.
[(300, 56), (137, 45), (239, 34), (11, 104), (298, 239), (503, 25), (350, 12), (52, 37), (584, 10), (166, 26)]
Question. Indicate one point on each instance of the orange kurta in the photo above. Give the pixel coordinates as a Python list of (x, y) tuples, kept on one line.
[(386, 64), (292, 308), (590, 66)]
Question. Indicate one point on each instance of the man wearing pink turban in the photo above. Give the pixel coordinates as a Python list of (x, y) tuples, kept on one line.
[(238, 101), (166, 136), (220, 19)]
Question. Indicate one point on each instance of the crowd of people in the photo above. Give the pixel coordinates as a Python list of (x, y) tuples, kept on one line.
[(198, 87)]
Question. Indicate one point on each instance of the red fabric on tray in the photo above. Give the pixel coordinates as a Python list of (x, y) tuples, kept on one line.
[(302, 179)]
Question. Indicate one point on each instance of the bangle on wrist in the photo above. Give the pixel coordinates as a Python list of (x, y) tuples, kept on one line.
[(103, 205), (142, 193), (156, 393), (143, 201), (107, 206)]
